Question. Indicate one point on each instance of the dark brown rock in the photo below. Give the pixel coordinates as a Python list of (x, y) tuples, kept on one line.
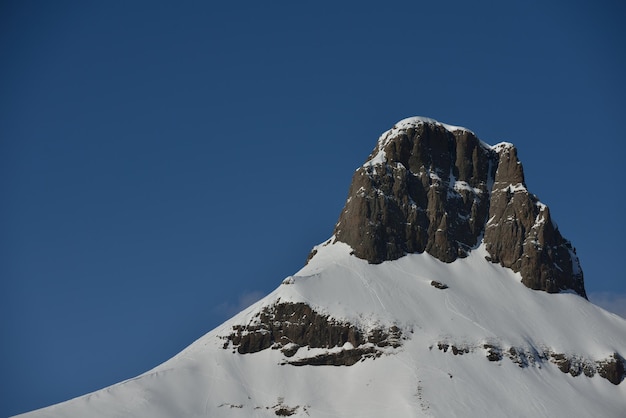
[(521, 235), (438, 285), (588, 369), (612, 369), (459, 351), (561, 361), (295, 323), (494, 353), (428, 187), (290, 326), (410, 203), (290, 350), (340, 358)]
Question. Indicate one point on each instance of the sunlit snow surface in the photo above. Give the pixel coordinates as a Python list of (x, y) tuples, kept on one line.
[(484, 303)]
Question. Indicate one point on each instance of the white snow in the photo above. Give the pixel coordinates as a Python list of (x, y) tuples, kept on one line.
[(463, 185), (502, 146), (379, 158), (512, 188), (484, 303), (417, 120)]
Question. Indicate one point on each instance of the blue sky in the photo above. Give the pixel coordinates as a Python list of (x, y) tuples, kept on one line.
[(164, 165)]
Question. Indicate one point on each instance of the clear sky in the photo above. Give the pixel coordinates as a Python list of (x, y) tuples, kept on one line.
[(164, 164)]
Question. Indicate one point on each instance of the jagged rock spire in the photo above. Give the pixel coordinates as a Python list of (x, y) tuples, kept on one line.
[(437, 188), (520, 233)]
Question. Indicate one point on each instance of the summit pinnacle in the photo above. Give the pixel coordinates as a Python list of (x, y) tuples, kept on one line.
[(437, 188)]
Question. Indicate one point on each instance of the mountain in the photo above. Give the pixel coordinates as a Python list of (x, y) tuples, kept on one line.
[(446, 290), (437, 188)]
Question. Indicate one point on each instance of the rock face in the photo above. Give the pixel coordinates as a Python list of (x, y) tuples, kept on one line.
[(611, 368), (288, 327), (437, 188), (521, 235)]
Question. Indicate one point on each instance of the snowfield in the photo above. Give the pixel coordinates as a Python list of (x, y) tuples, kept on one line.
[(484, 305)]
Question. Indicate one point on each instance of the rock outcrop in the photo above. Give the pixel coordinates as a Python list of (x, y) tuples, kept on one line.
[(612, 368), (437, 188), (521, 235), (288, 327)]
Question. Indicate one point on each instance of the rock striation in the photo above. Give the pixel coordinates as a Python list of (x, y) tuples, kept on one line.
[(288, 327), (433, 187)]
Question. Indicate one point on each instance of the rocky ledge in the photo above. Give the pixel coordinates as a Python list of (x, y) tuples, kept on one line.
[(437, 188), (612, 368), (290, 327)]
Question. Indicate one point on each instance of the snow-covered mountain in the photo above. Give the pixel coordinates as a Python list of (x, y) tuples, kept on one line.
[(446, 291)]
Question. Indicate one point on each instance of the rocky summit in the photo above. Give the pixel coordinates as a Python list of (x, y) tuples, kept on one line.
[(436, 188)]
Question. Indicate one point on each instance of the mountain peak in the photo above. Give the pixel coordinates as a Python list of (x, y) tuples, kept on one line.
[(436, 188), (419, 120), (351, 335)]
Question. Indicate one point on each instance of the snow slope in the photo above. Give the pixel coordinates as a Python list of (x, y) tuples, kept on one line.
[(483, 304)]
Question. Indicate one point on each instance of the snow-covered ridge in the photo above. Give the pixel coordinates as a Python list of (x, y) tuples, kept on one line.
[(389, 291), (502, 146), (418, 120), (483, 301), (479, 344), (401, 127)]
